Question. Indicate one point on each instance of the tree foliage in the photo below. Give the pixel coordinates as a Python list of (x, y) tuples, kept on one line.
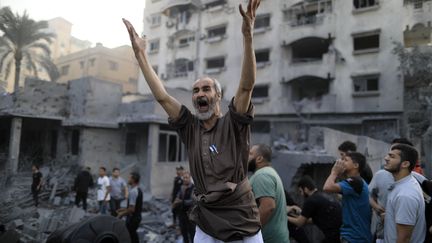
[(24, 42), (415, 64)]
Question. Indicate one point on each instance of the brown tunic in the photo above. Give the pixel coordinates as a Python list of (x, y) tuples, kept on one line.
[(226, 208)]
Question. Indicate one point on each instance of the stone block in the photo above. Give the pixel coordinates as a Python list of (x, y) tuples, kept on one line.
[(57, 201), (30, 231), (76, 215), (17, 223)]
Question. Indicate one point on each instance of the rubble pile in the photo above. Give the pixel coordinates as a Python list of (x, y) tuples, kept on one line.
[(56, 210)]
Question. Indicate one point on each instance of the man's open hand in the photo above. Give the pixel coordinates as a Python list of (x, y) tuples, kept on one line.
[(138, 44), (249, 17), (338, 167)]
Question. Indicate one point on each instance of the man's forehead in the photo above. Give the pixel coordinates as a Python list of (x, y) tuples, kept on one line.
[(203, 82), (395, 151)]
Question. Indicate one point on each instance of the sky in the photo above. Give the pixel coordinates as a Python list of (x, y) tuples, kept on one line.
[(93, 20)]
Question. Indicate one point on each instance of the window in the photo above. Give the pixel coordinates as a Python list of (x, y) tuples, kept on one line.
[(170, 147), (262, 21), (216, 62), (365, 3), (185, 41), (113, 66), (366, 83), (131, 143), (92, 62), (65, 70), (54, 144), (154, 46), (216, 32), (82, 64), (369, 42), (180, 68), (155, 20), (75, 142), (260, 91), (262, 56)]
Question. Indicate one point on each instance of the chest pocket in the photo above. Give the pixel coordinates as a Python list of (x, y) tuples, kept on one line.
[(222, 163)]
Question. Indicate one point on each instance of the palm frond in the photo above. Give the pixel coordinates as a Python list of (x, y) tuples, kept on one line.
[(30, 63), (50, 67)]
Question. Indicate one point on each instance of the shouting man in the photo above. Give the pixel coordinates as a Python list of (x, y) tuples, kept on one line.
[(217, 145)]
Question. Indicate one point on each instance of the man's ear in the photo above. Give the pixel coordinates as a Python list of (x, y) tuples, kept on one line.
[(406, 164)]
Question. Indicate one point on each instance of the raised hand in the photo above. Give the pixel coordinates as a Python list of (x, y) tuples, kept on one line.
[(138, 44), (249, 17)]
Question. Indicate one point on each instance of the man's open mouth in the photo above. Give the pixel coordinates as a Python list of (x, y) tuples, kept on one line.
[(203, 105)]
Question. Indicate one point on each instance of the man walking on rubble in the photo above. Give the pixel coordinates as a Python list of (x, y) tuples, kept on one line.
[(217, 145), (36, 184), (83, 181)]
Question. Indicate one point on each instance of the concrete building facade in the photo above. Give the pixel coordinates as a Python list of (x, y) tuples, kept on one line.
[(62, 44), (319, 62), (117, 65)]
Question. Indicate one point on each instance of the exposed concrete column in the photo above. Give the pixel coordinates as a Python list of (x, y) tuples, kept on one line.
[(152, 155), (14, 144)]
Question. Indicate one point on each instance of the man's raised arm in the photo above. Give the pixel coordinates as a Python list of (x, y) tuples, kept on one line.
[(248, 73), (169, 103)]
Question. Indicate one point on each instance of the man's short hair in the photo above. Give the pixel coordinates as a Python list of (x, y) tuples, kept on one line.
[(402, 141), (115, 168), (307, 182), (407, 153), (135, 176), (359, 159), (102, 168), (36, 166), (179, 168), (347, 146), (265, 151)]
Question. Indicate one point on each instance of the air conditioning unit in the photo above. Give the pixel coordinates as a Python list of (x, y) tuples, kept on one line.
[(169, 24)]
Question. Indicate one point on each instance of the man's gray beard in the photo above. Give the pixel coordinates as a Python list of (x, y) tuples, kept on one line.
[(206, 115)]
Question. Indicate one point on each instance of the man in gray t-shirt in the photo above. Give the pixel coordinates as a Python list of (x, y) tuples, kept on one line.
[(405, 208), (119, 191)]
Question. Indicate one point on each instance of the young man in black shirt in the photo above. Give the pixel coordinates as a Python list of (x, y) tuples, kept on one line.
[(83, 181), (134, 207), (36, 184), (325, 213), (178, 181)]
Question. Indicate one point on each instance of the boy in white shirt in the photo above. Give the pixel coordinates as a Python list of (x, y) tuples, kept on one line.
[(103, 190)]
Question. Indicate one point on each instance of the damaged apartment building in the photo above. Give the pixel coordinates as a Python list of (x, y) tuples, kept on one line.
[(89, 122), (319, 62)]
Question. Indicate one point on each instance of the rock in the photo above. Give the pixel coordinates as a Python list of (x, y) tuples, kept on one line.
[(30, 231), (57, 201), (10, 236), (76, 215), (17, 223)]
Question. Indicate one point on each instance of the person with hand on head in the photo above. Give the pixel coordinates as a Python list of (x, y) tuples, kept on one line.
[(217, 145), (356, 212)]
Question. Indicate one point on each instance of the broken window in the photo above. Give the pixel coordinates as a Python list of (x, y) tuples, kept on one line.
[(418, 35), (216, 31), (366, 83), (154, 46), (364, 3), (260, 91), (82, 64), (262, 21), (367, 42), (180, 68), (75, 142), (131, 143), (309, 49), (307, 12), (216, 62), (213, 3), (170, 147), (310, 88), (65, 70), (262, 56), (113, 66)]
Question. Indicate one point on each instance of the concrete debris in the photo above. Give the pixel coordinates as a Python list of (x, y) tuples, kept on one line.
[(55, 211)]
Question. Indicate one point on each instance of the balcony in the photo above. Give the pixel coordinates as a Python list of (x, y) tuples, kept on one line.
[(176, 6), (307, 19)]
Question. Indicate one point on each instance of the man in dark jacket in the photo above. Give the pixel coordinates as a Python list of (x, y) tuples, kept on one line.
[(182, 204), (178, 181), (82, 183)]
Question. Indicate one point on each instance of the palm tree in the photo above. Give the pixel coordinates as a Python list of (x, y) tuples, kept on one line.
[(26, 42)]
